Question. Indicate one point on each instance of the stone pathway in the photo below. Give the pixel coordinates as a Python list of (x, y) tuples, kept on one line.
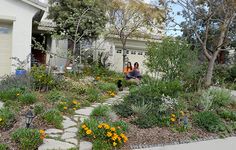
[(67, 137), (217, 144), (1, 104)]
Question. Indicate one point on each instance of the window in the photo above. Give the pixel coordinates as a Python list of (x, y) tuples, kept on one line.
[(140, 53), (133, 52), (127, 51), (118, 51)]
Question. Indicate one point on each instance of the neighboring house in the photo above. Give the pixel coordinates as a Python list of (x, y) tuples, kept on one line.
[(17, 27)]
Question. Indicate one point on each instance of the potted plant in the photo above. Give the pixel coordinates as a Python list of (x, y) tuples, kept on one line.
[(20, 65)]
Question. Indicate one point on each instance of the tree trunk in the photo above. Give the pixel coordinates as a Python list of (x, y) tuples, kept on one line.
[(124, 55), (210, 69)]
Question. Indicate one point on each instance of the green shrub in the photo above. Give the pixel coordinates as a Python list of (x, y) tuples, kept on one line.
[(54, 96), (147, 121), (107, 86), (13, 105), (3, 147), (28, 139), (227, 115), (123, 110), (7, 117), (93, 95), (101, 145), (27, 98), (102, 112), (41, 77), (11, 94), (123, 125), (39, 108), (232, 73), (13, 81), (53, 117), (209, 121), (214, 98), (221, 97)]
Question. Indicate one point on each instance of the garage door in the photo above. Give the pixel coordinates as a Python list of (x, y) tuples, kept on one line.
[(5, 47)]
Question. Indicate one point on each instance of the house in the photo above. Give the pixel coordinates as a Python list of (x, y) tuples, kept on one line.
[(24, 22), (18, 28)]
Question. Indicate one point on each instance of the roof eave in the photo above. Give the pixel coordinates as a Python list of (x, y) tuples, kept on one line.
[(36, 4)]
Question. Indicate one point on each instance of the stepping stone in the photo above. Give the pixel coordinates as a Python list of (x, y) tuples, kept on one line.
[(1, 105), (95, 105), (68, 123), (85, 111), (50, 144), (68, 135), (53, 136), (83, 118), (73, 130), (53, 131), (72, 140), (84, 145)]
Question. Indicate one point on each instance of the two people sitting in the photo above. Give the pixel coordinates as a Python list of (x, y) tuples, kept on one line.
[(132, 73)]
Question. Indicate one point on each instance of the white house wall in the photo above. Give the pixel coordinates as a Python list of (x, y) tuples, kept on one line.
[(21, 15)]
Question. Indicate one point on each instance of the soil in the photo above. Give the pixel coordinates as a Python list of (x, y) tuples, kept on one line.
[(164, 135)]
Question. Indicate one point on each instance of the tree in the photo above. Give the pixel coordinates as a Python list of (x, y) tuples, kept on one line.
[(129, 18), (211, 24), (171, 57), (78, 20)]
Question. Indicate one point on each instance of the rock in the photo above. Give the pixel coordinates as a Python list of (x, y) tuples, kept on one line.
[(53, 131), (1, 105), (95, 105), (113, 116), (49, 144), (73, 130), (84, 145), (68, 135), (53, 135), (68, 123), (72, 140), (85, 111)]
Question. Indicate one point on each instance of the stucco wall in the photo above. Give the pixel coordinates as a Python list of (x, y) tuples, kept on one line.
[(21, 15)]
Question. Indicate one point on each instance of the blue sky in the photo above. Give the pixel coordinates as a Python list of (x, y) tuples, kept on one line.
[(169, 29)]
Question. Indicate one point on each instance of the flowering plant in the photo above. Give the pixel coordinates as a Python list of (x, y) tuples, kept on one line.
[(110, 133), (70, 105)]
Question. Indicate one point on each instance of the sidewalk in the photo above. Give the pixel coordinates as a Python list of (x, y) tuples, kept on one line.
[(217, 144)]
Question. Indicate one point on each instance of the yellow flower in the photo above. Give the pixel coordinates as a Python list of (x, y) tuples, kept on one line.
[(18, 94), (74, 108), (106, 126), (89, 132), (74, 102), (98, 78), (173, 115), (114, 144), (172, 119), (1, 119), (114, 137), (112, 94), (119, 139), (41, 131), (182, 113), (61, 103), (84, 126), (100, 126), (109, 134), (113, 129), (65, 108), (122, 135)]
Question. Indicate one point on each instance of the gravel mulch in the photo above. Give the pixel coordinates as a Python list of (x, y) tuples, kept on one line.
[(161, 136)]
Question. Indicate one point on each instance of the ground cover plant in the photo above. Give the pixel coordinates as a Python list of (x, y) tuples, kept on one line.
[(102, 132)]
